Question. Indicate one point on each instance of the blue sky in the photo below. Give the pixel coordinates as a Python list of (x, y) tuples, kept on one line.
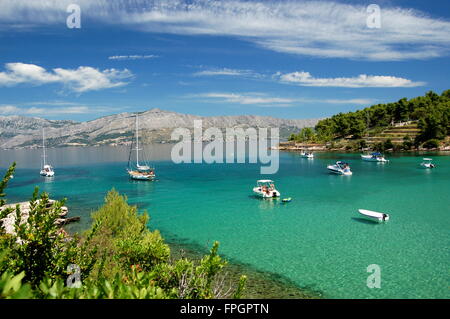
[(290, 59)]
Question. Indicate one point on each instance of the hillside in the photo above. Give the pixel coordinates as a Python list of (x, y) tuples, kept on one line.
[(156, 126), (421, 122), (394, 133)]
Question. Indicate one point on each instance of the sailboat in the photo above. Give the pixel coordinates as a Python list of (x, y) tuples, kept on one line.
[(46, 170), (139, 172)]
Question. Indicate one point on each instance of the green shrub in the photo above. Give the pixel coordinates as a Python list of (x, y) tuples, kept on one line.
[(119, 257), (388, 144), (407, 143), (433, 143)]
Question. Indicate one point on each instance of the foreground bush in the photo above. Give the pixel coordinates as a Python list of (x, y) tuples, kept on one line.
[(118, 257)]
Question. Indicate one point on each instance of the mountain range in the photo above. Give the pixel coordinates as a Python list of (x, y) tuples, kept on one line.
[(155, 126)]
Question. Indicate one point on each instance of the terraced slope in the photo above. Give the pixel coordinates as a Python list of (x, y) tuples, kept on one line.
[(395, 134)]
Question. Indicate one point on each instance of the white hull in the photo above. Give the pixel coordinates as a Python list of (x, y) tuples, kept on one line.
[(426, 165), (374, 216), (307, 155), (47, 174), (140, 176), (370, 158), (339, 171), (271, 194)]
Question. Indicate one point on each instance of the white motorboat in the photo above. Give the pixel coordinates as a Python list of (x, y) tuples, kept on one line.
[(380, 217), (374, 157), (265, 188), (139, 172), (340, 168), (427, 163), (307, 154), (46, 169)]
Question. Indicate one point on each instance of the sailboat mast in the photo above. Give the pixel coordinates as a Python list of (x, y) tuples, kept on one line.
[(43, 145), (137, 141)]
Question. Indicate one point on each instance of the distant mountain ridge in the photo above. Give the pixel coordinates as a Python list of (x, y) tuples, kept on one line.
[(155, 126)]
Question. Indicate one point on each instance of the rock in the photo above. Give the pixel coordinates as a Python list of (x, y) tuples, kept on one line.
[(9, 221)]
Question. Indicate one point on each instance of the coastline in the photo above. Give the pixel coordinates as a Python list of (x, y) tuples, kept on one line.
[(299, 147)]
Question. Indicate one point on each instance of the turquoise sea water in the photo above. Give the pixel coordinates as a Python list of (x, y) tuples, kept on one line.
[(317, 241)]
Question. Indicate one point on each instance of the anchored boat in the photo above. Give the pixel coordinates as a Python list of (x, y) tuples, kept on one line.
[(340, 168), (376, 216), (265, 188), (307, 154), (374, 157), (427, 163), (46, 169), (139, 172)]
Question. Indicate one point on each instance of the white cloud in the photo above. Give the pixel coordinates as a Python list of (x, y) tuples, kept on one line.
[(347, 101), (49, 109), (82, 79), (262, 99), (14, 110), (8, 109), (306, 79), (313, 28), (132, 57), (247, 99), (227, 72)]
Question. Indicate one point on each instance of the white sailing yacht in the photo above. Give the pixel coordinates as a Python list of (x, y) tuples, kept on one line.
[(46, 169), (139, 172)]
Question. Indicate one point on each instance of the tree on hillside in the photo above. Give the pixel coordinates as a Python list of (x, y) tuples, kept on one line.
[(431, 112)]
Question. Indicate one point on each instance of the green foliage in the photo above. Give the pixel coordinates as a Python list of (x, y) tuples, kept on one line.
[(38, 247), (4, 183), (407, 143), (379, 147), (433, 143), (306, 134), (388, 144), (362, 144), (431, 112), (119, 257), (11, 287)]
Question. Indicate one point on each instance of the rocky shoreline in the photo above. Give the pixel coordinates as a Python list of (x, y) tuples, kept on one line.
[(9, 221), (313, 147)]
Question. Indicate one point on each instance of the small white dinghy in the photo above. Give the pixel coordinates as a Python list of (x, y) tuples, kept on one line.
[(381, 217), (427, 163)]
